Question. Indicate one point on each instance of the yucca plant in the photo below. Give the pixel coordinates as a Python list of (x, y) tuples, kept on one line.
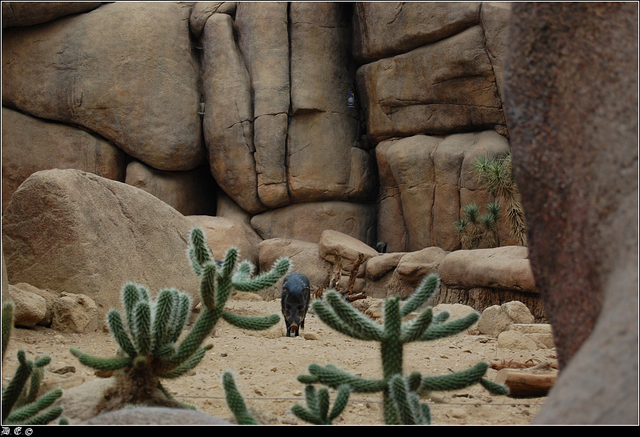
[(401, 393), (148, 331), (475, 229), (20, 402), (496, 175)]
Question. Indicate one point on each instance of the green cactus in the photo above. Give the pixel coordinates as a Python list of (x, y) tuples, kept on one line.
[(400, 393), (235, 402), (475, 229), (317, 412), (20, 402), (148, 340), (496, 175)]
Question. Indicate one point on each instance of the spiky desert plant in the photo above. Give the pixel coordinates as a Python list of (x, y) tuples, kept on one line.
[(235, 401), (496, 175), (401, 393), (20, 402), (475, 229), (317, 411), (148, 341)]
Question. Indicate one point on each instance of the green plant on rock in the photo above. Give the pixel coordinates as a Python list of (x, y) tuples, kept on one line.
[(475, 229), (20, 402), (401, 393), (148, 331), (496, 175)]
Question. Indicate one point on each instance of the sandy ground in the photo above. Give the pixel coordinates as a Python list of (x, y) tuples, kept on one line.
[(267, 363)]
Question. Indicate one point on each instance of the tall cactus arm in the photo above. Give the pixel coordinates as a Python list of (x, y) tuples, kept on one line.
[(366, 328), (331, 319), (441, 330), (241, 281), (454, 381), (235, 402), (141, 328), (7, 324), (13, 390), (26, 415), (199, 252), (251, 323), (427, 288), (118, 332), (98, 363), (189, 364), (334, 377), (414, 330)]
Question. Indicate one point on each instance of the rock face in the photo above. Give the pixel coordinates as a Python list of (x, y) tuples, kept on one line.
[(426, 181), (571, 97), (30, 13), (30, 144), (258, 95), (142, 96), (189, 192), (59, 229)]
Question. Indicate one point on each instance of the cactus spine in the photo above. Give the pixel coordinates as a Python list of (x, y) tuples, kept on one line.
[(20, 402), (147, 331), (401, 393)]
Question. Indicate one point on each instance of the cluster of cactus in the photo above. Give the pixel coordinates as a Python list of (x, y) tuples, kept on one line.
[(475, 229), (20, 402), (401, 393), (496, 175), (148, 342)]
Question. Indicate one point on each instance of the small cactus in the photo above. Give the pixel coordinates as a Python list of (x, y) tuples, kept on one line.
[(401, 393), (475, 229), (496, 174), (20, 402), (317, 412), (148, 341)]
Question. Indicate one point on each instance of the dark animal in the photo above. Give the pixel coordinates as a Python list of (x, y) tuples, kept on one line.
[(295, 299)]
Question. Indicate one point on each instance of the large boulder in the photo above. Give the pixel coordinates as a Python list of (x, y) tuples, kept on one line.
[(307, 221), (75, 232), (31, 13), (384, 29), (138, 88), (30, 144), (191, 192), (505, 267), (228, 118), (324, 156), (445, 87), (571, 99), (263, 39), (304, 256)]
